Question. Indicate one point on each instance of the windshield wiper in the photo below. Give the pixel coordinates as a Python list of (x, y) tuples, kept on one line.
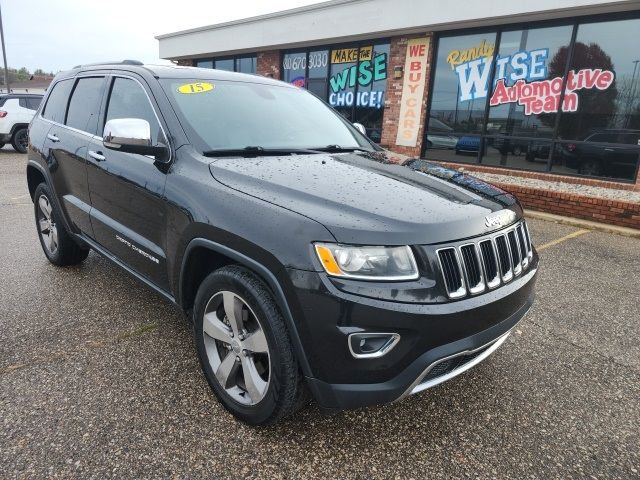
[(256, 151), (338, 149)]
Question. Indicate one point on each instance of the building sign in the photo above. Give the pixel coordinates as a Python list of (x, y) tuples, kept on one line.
[(522, 78), (415, 69), (349, 55), (364, 73), (482, 50)]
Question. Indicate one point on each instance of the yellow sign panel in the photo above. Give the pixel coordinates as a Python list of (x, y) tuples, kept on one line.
[(198, 87), (349, 55)]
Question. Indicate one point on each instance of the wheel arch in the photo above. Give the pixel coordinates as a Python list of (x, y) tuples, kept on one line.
[(202, 256), (18, 126), (35, 176)]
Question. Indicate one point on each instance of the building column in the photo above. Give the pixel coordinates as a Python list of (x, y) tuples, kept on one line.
[(393, 96), (268, 64)]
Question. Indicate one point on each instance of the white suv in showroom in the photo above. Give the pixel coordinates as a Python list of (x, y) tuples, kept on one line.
[(16, 111)]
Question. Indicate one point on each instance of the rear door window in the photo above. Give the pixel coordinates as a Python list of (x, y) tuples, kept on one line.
[(84, 106), (56, 106)]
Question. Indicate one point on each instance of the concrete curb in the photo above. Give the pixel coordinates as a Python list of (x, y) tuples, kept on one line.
[(578, 222)]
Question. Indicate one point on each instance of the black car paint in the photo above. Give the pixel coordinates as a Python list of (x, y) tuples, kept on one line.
[(265, 213)]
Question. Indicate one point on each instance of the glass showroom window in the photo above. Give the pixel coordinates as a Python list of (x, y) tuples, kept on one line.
[(318, 72), (294, 68), (357, 82), (204, 63), (307, 70), (586, 122), (352, 79), (370, 107), (528, 78), (603, 118), (238, 64), (227, 64), (459, 97), (246, 64), (342, 80)]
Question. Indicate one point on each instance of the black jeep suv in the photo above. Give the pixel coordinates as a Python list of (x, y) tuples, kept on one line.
[(308, 258)]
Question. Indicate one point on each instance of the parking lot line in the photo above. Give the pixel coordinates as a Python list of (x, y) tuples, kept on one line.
[(569, 236)]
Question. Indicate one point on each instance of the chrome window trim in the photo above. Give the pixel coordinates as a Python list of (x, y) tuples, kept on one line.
[(97, 137), (462, 291), (66, 127)]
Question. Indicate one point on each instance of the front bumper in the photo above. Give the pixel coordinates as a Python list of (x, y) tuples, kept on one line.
[(430, 334)]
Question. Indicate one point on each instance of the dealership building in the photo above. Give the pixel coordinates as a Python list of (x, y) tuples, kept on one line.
[(546, 89)]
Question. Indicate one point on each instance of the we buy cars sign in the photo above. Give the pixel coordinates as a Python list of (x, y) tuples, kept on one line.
[(415, 70)]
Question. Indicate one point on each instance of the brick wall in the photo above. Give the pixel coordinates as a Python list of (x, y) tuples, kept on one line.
[(393, 97), (551, 177), (268, 64), (614, 212)]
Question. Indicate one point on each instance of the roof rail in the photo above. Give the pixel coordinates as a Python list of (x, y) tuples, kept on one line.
[(122, 62)]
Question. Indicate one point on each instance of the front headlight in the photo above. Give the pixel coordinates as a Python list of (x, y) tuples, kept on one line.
[(368, 263)]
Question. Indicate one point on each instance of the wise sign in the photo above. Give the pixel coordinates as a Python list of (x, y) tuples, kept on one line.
[(415, 70), (522, 78)]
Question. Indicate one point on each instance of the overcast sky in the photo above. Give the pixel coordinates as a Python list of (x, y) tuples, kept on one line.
[(56, 35)]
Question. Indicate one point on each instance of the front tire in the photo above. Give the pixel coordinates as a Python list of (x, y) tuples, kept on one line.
[(59, 247), (20, 140), (244, 348)]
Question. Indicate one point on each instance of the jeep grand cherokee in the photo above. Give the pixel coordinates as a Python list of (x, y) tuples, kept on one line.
[(307, 258)]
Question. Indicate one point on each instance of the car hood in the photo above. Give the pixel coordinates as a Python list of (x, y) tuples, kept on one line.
[(375, 198)]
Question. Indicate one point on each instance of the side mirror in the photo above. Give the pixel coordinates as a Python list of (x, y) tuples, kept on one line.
[(131, 135), (360, 128)]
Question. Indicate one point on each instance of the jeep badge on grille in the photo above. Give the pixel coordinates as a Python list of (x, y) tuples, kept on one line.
[(499, 219)]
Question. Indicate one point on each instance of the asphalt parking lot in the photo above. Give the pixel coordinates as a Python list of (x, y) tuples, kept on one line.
[(99, 378)]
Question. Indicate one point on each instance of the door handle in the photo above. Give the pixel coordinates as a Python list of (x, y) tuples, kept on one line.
[(52, 137), (609, 150), (96, 156)]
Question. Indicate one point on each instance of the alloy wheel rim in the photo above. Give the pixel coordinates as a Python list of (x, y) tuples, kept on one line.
[(236, 348), (23, 140), (46, 225)]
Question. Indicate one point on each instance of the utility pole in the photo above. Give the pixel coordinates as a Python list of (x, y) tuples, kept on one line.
[(4, 55)]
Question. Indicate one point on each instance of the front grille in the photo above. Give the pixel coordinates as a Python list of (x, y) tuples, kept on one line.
[(490, 263), (473, 267), (452, 272)]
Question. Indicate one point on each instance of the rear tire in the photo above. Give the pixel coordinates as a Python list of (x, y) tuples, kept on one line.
[(20, 140), (246, 356), (59, 247)]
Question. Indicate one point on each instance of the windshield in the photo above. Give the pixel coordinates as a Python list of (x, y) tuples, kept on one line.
[(223, 115)]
